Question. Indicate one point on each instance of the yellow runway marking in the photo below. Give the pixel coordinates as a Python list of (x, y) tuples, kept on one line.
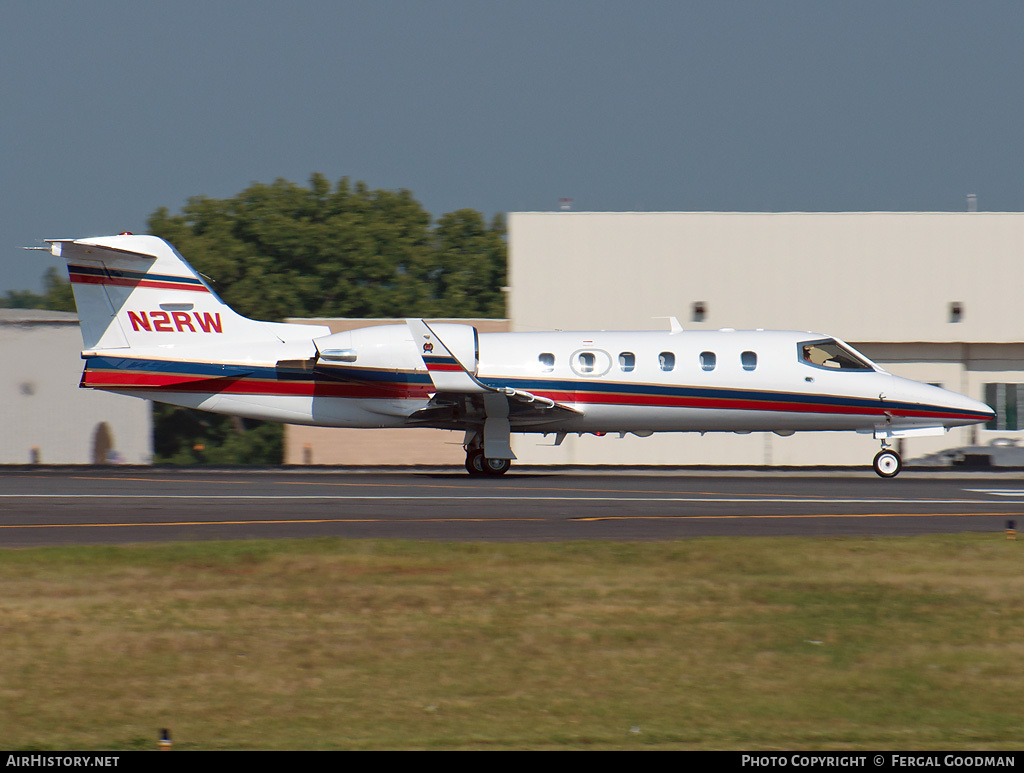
[(573, 489), (762, 517), (582, 519), (269, 522)]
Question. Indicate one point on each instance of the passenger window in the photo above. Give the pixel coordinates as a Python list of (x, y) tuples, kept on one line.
[(627, 361), (748, 360), (586, 362), (667, 361), (547, 362), (708, 360)]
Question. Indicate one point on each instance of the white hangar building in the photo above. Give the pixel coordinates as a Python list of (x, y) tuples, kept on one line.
[(44, 417), (933, 296)]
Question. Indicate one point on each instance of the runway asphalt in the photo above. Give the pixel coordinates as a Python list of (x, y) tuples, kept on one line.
[(76, 506)]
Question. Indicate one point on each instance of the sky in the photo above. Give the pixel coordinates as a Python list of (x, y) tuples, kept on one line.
[(111, 109)]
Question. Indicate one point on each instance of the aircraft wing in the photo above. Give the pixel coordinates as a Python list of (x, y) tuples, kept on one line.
[(450, 410)]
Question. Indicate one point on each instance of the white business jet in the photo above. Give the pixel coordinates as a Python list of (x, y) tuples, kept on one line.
[(153, 328)]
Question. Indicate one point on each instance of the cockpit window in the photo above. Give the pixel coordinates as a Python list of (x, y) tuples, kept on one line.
[(831, 354)]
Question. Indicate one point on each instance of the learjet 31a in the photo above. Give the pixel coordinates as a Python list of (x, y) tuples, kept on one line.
[(153, 328)]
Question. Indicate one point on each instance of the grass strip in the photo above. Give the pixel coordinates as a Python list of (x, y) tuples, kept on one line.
[(718, 643)]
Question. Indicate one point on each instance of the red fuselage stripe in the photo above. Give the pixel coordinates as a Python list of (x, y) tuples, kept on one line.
[(121, 282), (173, 382)]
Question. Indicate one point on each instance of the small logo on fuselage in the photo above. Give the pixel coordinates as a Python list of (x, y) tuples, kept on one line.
[(175, 322)]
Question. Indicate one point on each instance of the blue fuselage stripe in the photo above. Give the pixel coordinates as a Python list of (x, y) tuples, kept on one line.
[(626, 394)]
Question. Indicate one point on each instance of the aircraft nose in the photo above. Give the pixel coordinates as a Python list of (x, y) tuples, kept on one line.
[(966, 409), (951, 408), (985, 409)]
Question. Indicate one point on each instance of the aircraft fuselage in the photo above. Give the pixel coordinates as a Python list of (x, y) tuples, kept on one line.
[(153, 328), (617, 381)]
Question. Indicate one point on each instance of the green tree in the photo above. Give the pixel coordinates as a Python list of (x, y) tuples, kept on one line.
[(22, 299), (285, 250), (468, 270), (188, 437), (57, 295)]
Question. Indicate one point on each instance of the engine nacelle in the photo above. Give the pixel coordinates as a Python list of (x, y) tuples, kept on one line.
[(392, 347)]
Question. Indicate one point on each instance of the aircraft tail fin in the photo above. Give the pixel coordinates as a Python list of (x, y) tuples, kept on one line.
[(136, 291)]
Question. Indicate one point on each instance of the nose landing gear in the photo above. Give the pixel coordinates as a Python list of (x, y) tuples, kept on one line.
[(887, 463)]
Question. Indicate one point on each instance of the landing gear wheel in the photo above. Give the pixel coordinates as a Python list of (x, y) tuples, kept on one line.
[(887, 463), (477, 464), (495, 467)]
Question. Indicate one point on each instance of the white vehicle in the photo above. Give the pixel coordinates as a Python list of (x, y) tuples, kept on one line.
[(152, 328)]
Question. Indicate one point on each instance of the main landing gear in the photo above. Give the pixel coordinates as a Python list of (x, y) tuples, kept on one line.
[(478, 464), (887, 463), (477, 461)]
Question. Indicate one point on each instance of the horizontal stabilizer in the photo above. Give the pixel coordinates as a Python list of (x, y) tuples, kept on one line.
[(95, 249)]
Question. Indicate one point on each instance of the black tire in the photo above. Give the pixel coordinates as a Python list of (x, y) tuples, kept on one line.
[(475, 462), (887, 463), (496, 467)]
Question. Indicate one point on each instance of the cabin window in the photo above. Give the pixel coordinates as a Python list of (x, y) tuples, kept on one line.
[(748, 360), (547, 362), (708, 360), (627, 361), (590, 363), (666, 361)]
